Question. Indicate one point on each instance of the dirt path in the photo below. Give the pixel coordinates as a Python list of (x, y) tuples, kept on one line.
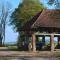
[(25, 53), (29, 58), (21, 55)]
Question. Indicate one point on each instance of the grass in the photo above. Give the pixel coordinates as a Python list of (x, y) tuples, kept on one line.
[(12, 47)]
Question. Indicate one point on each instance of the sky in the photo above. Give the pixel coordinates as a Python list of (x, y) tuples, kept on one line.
[(12, 36)]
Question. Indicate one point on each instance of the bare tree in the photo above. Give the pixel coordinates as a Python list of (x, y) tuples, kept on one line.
[(4, 13)]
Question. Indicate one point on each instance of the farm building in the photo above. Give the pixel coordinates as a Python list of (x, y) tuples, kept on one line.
[(45, 23)]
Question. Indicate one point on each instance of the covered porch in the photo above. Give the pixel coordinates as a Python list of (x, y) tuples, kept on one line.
[(46, 23), (35, 45), (51, 47)]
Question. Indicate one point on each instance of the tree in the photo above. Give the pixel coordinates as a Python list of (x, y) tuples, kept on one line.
[(55, 2), (25, 11), (4, 13)]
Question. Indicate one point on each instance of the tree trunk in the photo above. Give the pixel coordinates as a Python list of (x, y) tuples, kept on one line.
[(0, 40)]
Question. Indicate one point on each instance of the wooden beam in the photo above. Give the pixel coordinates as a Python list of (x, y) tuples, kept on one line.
[(43, 39), (52, 42), (48, 34), (33, 42), (58, 40)]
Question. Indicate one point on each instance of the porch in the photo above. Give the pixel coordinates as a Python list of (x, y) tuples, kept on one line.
[(34, 45)]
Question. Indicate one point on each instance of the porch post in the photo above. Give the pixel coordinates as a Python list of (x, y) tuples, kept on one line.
[(33, 42), (58, 40), (52, 42), (43, 40)]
